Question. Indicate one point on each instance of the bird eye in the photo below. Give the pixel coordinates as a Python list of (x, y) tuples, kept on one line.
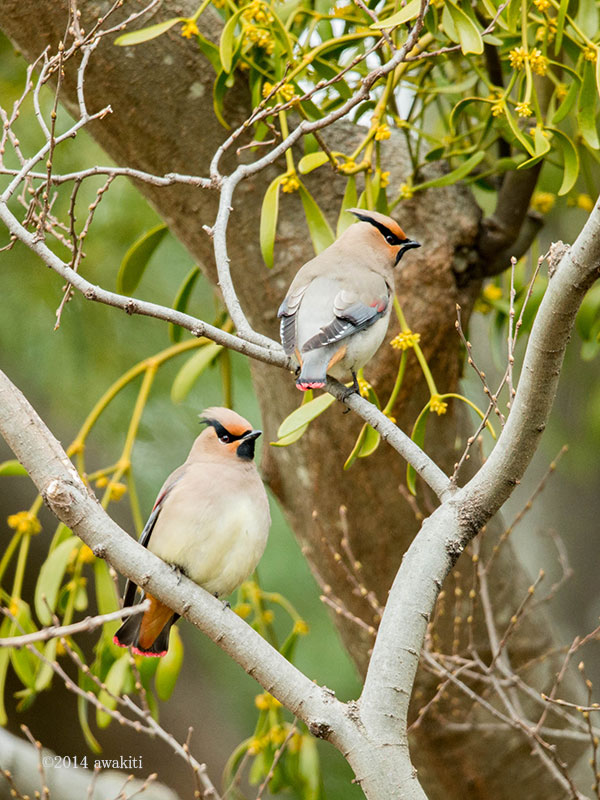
[(225, 438), (391, 239)]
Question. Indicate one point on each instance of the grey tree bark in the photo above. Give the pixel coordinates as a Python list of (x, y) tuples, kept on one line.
[(161, 125)]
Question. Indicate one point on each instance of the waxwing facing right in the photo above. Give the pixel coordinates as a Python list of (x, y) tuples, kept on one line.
[(337, 309)]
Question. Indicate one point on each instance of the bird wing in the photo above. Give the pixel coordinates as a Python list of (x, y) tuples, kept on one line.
[(130, 586), (287, 314), (351, 315)]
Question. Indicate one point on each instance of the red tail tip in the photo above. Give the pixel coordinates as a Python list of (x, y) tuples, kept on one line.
[(310, 385), (139, 652)]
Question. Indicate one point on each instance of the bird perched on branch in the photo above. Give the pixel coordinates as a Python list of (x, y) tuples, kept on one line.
[(210, 521), (337, 309)]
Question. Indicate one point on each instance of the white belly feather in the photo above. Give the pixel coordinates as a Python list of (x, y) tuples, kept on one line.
[(216, 538)]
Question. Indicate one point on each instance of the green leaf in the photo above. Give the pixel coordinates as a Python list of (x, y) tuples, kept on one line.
[(587, 15), (349, 201), (4, 662), (514, 15), (518, 133), (181, 302), (227, 43), (367, 442), (169, 667), (586, 112), (219, 92), (210, 50), (45, 672), (50, 579), (114, 682), (418, 437), (456, 175), (567, 103), (146, 34), (410, 11), (12, 468), (305, 414), (309, 768), (268, 220), (137, 257), (560, 25), (570, 161), (318, 227), (468, 35), (192, 370), (542, 146), (458, 109), (24, 663), (312, 161), (106, 593)]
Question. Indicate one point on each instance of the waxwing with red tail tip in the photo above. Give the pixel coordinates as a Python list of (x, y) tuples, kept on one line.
[(210, 521), (337, 309)]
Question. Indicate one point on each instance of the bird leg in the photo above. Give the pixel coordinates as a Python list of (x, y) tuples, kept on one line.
[(177, 571), (226, 603), (354, 389)]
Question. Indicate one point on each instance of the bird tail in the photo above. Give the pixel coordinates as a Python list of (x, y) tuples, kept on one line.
[(147, 634), (314, 370)]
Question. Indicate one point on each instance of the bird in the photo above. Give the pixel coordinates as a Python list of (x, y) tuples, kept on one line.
[(210, 522), (337, 310)]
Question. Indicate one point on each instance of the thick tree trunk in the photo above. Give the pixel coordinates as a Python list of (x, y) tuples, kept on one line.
[(160, 95)]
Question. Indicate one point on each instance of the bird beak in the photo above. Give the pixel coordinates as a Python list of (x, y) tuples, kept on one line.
[(245, 448), (409, 244)]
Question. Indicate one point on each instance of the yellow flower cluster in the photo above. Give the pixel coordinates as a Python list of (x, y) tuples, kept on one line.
[(437, 405), (542, 5), (590, 54), (275, 736), (498, 108), (301, 627), (290, 183), (116, 490), (286, 90), (258, 12), (25, 523), (265, 701), (243, 610), (384, 179), (382, 132), (189, 29), (86, 556), (339, 11), (524, 110), (539, 62), (490, 293), (405, 340), (364, 386), (585, 202), (518, 57), (543, 202), (406, 191), (259, 37), (348, 167)]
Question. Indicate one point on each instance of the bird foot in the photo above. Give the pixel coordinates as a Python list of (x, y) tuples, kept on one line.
[(350, 390), (177, 571), (226, 603)]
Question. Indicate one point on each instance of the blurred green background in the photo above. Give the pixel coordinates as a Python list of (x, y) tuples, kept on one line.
[(63, 373)]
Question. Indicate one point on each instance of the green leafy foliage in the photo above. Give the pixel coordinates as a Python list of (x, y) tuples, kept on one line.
[(137, 259)]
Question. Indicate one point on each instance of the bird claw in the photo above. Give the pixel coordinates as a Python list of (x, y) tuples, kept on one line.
[(226, 603), (177, 571), (350, 390)]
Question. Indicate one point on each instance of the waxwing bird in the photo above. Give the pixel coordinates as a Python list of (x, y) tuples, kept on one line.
[(210, 521), (337, 309)]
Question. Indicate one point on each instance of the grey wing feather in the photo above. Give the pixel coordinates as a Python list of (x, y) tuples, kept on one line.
[(348, 319), (130, 586), (287, 315)]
